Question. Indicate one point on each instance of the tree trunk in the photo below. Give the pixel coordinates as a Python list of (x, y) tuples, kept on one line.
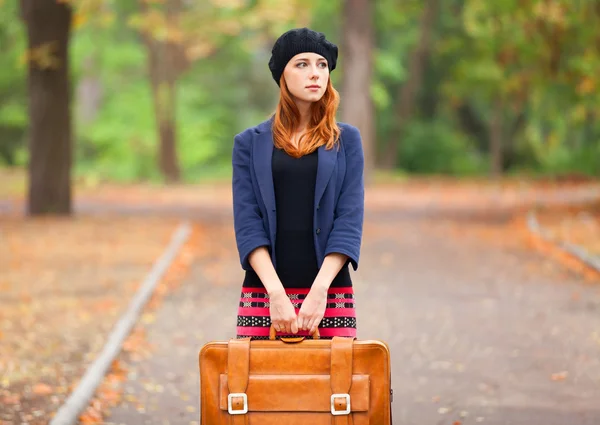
[(357, 53), (163, 90), (406, 98), (473, 126), (166, 61), (48, 25), (496, 140), (89, 92)]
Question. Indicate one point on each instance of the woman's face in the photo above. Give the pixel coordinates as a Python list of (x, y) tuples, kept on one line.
[(306, 76)]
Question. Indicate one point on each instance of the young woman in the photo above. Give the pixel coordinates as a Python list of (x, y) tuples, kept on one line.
[(298, 201)]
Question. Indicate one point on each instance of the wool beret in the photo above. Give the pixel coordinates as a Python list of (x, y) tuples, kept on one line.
[(300, 40)]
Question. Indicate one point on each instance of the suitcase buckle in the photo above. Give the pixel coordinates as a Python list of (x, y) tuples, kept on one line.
[(241, 411), (346, 411)]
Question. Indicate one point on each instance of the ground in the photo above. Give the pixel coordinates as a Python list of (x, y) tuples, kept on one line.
[(483, 326)]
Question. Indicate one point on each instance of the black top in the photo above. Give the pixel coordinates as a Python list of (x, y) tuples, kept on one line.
[(294, 182)]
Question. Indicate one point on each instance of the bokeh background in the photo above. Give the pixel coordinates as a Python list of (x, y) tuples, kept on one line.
[(158, 88), (480, 260)]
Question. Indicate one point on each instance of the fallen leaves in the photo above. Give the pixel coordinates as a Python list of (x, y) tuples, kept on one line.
[(42, 389), (11, 399), (108, 395), (512, 234), (578, 225), (136, 345), (476, 194), (65, 281), (564, 225), (64, 284), (560, 376), (91, 415), (446, 410)]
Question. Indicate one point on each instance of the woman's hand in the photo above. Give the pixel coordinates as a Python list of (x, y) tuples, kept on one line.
[(283, 314), (313, 309)]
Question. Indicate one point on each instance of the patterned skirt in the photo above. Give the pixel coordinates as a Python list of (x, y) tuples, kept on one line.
[(254, 319)]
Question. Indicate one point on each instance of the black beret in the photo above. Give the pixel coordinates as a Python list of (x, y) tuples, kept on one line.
[(300, 40)]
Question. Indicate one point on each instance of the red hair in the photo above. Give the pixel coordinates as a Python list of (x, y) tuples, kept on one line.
[(322, 128)]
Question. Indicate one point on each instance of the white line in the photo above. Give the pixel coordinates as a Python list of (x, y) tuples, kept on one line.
[(69, 412), (575, 250)]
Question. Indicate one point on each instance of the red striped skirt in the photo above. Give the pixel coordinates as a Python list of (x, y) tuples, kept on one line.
[(254, 319)]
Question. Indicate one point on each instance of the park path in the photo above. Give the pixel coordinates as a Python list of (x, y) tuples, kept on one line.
[(480, 331)]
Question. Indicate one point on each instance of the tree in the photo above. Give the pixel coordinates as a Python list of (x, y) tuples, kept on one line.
[(178, 33), (166, 62), (357, 54), (524, 80), (48, 25), (13, 116), (405, 102)]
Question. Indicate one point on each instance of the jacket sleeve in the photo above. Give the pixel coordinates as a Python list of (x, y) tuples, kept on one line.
[(248, 224), (346, 235)]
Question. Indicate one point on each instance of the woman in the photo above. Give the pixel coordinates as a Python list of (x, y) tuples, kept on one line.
[(298, 201)]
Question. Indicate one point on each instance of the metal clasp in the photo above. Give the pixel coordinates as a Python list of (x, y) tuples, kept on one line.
[(340, 412), (241, 411)]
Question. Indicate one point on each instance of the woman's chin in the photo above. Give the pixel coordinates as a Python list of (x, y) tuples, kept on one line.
[(311, 98)]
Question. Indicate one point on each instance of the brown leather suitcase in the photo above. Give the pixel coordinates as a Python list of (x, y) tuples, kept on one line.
[(292, 381)]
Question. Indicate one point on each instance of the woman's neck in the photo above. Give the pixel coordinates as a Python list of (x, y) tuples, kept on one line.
[(304, 109)]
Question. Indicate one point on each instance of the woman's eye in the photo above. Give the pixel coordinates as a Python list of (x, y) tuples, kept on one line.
[(322, 65)]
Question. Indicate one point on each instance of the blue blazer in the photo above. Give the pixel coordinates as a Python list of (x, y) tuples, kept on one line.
[(339, 195)]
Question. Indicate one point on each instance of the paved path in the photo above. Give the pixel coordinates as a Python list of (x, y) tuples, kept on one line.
[(479, 333)]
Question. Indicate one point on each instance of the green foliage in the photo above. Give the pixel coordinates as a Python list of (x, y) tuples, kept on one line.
[(13, 107), (437, 148), (119, 144), (537, 58), (565, 161)]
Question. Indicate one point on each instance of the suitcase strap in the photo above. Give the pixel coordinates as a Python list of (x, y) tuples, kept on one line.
[(238, 369), (341, 380)]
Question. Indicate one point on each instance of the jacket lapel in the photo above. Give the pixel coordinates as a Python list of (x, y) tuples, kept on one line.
[(263, 151), (327, 160)]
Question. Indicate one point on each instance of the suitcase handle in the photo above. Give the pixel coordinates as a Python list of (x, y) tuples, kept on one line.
[(273, 334)]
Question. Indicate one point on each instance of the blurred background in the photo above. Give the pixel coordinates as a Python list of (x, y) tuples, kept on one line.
[(158, 88), (480, 128)]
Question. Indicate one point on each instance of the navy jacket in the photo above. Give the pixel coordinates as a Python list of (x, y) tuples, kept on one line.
[(339, 195)]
